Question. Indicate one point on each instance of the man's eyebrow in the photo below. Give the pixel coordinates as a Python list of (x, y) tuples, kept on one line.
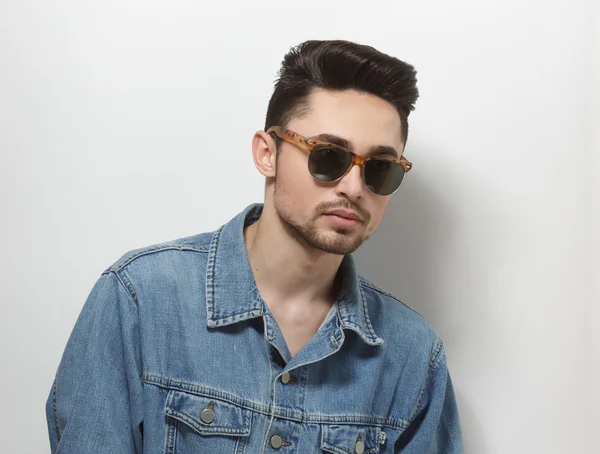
[(375, 150)]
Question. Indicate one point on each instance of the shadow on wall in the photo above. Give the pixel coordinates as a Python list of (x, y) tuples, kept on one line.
[(404, 255), (411, 255)]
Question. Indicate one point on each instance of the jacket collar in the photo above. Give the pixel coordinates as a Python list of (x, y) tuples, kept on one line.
[(232, 295)]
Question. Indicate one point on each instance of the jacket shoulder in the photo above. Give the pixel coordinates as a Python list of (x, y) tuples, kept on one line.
[(391, 315), (199, 243)]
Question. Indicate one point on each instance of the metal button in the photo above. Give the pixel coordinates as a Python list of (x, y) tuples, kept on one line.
[(276, 441), (285, 378), (359, 448), (207, 416)]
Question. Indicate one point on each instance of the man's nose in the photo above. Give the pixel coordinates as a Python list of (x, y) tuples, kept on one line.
[(351, 186)]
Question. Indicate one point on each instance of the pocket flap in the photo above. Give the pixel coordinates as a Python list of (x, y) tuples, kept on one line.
[(220, 418), (350, 439)]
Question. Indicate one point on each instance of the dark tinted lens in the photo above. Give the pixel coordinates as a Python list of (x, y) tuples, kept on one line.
[(328, 163), (382, 176)]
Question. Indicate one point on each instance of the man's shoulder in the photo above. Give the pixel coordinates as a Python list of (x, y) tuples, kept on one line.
[(165, 252), (390, 315)]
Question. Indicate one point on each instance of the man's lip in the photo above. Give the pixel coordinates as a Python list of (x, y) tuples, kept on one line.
[(348, 214)]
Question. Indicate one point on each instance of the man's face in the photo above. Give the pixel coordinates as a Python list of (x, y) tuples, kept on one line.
[(302, 202)]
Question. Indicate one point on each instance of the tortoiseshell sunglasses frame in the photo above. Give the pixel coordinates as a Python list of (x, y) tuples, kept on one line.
[(308, 145)]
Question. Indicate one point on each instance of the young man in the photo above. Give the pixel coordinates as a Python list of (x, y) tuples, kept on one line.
[(261, 337)]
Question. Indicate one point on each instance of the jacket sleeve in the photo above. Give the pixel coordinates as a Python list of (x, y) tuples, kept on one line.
[(96, 401), (435, 425)]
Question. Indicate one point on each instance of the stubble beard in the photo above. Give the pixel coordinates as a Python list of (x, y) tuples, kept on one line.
[(339, 241)]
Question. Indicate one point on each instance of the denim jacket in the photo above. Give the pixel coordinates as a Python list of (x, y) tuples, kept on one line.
[(175, 351)]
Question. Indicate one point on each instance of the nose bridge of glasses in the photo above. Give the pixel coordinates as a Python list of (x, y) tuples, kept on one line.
[(349, 179), (359, 161)]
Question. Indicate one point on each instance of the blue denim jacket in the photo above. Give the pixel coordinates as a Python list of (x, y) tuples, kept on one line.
[(176, 352)]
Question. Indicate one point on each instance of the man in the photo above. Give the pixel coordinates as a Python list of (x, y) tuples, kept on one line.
[(261, 337)]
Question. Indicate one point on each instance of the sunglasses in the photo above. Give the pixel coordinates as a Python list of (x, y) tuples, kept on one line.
[(329, 163)]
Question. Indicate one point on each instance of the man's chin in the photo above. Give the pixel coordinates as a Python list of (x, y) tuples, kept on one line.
[(337, 242)]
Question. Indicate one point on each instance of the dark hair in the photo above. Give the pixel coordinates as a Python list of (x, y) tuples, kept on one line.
[(340, 65)]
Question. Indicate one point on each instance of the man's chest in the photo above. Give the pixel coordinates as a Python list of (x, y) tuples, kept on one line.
[(235, 395), (228, 389)]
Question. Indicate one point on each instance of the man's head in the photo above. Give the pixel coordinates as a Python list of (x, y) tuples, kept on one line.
[(341, 92)]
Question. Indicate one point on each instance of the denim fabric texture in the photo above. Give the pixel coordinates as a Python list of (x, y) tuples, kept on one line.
[(176, 352)]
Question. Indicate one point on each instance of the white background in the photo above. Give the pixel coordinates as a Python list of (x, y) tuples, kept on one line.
[(127, 123)]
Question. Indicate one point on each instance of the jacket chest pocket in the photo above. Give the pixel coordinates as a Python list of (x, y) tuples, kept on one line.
[(204, 424), (351, 439)]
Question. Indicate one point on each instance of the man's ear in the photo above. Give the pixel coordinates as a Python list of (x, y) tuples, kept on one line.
[(264, 153)]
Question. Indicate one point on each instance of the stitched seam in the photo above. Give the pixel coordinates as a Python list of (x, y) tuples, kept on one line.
[(171, 436), (333, 449), (366, 315), (433, 363), (437, 353), (128, 286), (128, 260), (212, 430), (203, 391), (281, 412), (54, 405), (168, 432), (339, 314), (210, 272), (201, 427), (367, 338), (237, 316), (266, 344)]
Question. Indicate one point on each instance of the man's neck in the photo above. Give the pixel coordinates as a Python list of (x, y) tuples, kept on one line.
[(287, 270)]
